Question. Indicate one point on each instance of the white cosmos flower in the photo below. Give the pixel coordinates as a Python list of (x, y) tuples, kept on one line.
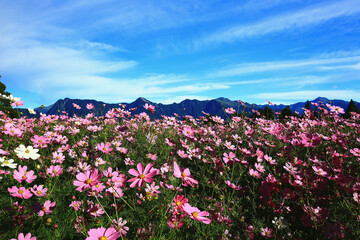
[(7, 163), (31, 111), (27, 152)]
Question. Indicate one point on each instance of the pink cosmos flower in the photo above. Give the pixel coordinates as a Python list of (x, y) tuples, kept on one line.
[(266, 232), (150, 107), (20, 192), (232, 185), (89, 106), (47, 208), (75, 205), (184, 175), (22, 175), (179, 202), (103, 234), (230, 110), (40, 141), (120, 226), (254, 173), (105, 148), (188, 131), (39, 191), (26, 237), (54, 170), (142, 175), (195, 213), (88, 179), (319, 171), (182, 154)]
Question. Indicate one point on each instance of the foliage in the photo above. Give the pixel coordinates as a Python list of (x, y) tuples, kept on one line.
[(251, 178)]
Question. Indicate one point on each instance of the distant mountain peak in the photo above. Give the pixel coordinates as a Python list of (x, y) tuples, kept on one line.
[(321, 99)]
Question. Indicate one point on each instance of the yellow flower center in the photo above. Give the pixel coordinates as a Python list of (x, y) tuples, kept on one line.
[(88, 181), (142, 176), (20, 191), (55, 171), (38, 192), (103, 238), (6, 162), (194, 214), (183, 175), (27, 151), (97, 185), (178, 203), (40, 141), (44, 209)]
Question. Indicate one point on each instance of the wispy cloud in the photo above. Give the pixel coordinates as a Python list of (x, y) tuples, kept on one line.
[(248, 68), (308, 16), (304, 95)]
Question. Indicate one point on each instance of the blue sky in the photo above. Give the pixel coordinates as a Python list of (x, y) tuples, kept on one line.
[(167, 51)]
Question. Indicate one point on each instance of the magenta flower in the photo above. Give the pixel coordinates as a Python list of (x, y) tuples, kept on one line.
[(88, 179), (20, 192), (185, 175), (103, 234), (26, 237), (195, 213), (142, 175)]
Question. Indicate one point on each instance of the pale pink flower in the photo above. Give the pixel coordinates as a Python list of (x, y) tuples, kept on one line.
[(26, 237), (89, 106), (185, 175), (20, 192), (105, 148), (319, 171), (54, 170), (103, 234), (75, 205), (21, 174), (39, 191), (196, 214)]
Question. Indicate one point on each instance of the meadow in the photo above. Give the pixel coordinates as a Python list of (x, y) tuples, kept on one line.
[(124, 176)]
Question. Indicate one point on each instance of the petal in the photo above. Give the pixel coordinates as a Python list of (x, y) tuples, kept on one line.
[(134, 172), (147, 168), (140, 168)]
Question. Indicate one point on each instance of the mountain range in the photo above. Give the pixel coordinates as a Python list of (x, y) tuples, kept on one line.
[(193, 108)]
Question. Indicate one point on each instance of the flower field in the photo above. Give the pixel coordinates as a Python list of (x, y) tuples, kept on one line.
[(133, 177)]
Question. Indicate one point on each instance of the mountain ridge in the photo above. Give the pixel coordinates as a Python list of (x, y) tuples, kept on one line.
[(192, 107)]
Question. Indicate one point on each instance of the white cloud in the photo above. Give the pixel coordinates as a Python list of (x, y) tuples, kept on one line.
[(249, 68), (304, 95), (309, 16)]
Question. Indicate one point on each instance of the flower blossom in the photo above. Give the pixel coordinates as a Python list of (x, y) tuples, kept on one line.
[(142, 175), (196, 214), (185, 175)]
